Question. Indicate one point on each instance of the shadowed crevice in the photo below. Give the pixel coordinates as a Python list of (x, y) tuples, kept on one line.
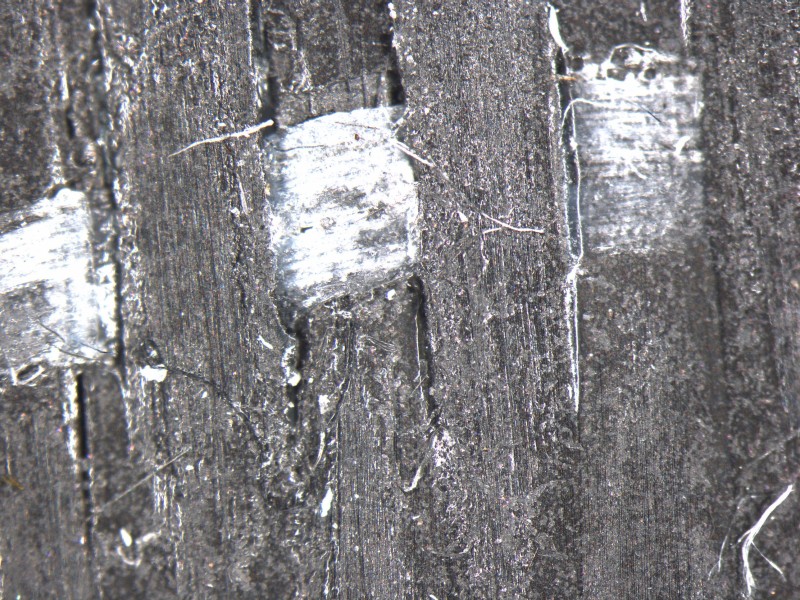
[(84, 456)]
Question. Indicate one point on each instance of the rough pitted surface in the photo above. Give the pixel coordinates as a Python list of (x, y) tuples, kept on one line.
[(753, 192), (326, 56), (649, 334), (48, 113), (505, 446), (196, 288), (592, 28)]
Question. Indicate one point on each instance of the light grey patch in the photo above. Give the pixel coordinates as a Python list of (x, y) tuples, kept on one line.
[(638, 131), (344, 206), (57, 303)]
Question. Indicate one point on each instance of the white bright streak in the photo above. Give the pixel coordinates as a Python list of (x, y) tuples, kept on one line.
[(555, 31), (228, 136)]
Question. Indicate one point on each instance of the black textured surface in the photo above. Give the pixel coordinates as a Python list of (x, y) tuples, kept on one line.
[(592, 28), (753, 193), (503, 482), (327, 56)]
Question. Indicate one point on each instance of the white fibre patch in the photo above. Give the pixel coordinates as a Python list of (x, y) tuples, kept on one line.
[(325, 403), (344, 205), (56, 304), (327, 502), (157, 374), (637, 122)]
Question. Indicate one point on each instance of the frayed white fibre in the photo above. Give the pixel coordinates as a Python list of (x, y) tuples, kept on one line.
[(138, 484), (601, 104), (749, 537), (228, 136), (637, 56), (718, 565), (409, 152), (504, 225)]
